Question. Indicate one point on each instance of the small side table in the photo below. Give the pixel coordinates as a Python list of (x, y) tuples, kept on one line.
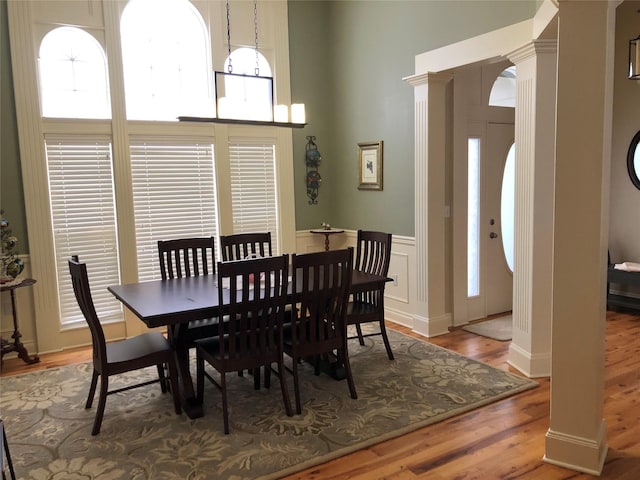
[(327, 232), (16, 345)]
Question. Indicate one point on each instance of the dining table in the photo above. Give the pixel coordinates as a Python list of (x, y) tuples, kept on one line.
[(175, 302)]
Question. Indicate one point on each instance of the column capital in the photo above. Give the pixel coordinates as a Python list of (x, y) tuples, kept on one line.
[(532, 49), (429, 77)]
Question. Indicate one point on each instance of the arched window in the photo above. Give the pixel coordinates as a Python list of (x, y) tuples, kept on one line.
[(73, 75), (164, 52), (503, 92)]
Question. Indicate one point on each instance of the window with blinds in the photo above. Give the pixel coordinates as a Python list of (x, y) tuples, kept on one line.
[(253, 187), (84, 222), (174, 195)]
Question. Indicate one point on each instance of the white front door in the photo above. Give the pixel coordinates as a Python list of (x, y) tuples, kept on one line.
[(498, 278)]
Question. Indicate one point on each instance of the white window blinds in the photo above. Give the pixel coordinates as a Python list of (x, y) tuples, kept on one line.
[(84, 222), (173, 195), (253, 187)]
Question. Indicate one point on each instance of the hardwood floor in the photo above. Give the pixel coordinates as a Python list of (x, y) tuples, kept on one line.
[(504, 440)]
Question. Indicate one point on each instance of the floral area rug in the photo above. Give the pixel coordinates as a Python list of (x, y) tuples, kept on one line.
[(49, 431)]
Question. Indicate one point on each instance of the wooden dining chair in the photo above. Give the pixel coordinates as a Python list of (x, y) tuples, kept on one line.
[(373, 253), (188, 257), (146, 350), (253, 295), (245, 245), (322, 281), (241, 246)]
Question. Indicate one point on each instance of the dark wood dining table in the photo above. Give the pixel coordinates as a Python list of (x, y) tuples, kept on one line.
[(177, 301)]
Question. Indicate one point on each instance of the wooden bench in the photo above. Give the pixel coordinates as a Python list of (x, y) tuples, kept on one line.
[(622, 277)]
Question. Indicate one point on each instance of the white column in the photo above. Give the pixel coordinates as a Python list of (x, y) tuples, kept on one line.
[(530, 349), (577, 431), (430, 317)]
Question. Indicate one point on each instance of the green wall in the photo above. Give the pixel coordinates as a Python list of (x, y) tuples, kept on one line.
[(11, 192), (348, 59)]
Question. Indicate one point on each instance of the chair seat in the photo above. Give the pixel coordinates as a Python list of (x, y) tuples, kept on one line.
[(211, 346), (197, 329), (137, 348), (362, 308)]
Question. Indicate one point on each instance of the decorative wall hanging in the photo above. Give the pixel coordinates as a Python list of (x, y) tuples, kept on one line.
[(312, 159), (10, 264), (370, 165)]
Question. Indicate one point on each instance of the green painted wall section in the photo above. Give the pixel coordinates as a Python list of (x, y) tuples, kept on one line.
[(11, 192), (361, 50)]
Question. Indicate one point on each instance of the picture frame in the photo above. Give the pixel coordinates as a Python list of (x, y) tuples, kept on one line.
[(370, 163)]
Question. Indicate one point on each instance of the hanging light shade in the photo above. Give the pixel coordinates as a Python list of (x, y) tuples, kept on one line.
[(246, 99), (634, 58)]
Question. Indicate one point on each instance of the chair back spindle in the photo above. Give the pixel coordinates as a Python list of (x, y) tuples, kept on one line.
[(245, 245)]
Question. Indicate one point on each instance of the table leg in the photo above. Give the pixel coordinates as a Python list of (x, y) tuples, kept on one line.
[(190, 403), (17, 345), (326, 242)]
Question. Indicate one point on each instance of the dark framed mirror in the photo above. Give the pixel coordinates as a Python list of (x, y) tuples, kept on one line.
[(633, 161)]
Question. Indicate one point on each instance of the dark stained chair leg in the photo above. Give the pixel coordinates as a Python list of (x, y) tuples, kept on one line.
[(92, 389), (102, 401), (7, 454), (163, 378), (385, 339), (360, 337), (225, 404)]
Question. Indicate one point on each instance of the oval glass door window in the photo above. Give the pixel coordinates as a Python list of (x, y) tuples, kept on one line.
[(507, 205)]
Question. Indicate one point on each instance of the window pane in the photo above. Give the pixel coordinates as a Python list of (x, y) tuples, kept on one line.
[(503, 92), (173, 195), (253, 188), (73, 75), (473, 217), (164, 53), (84, 221), (507, 205)]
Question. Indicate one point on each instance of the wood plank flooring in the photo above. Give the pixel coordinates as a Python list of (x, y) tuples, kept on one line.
[(504, 440)]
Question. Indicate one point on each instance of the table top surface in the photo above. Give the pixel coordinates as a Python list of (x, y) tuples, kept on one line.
[(179, 300), (327, 231)]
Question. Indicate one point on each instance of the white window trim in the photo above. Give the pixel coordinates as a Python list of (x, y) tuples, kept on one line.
[(24, 23)]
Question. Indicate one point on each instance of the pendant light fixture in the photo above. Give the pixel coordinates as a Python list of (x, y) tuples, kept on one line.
[(244, 99)]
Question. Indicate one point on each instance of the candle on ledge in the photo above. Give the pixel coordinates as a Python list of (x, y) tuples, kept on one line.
[(297, 113), (223, 107), (280, 113)]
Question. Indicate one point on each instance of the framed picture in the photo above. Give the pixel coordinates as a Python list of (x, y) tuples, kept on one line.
[(370, 165)]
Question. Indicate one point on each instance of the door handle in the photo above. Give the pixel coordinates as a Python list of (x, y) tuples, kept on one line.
[(493, 235)]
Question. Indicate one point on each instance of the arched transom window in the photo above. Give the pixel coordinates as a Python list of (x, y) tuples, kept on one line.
[(73, 75), (164, 55)]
